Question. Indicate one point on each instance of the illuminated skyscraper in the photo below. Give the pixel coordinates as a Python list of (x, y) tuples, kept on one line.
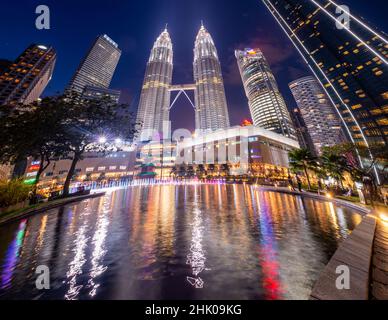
[(210, 100), (302, 133), (94, 93), (350, 61), (318, 113), (98, 67), (154, 106), (267, 105), (24, 80)]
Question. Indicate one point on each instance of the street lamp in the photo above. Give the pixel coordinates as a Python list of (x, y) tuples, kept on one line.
[(102, 140)]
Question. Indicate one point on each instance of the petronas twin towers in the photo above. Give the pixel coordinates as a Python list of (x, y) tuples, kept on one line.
[(211, 110)]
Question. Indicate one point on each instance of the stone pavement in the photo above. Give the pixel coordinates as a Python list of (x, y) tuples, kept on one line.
[(379, 280)]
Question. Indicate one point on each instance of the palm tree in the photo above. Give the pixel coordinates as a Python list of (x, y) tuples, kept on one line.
[(303, 160), (334, 165)]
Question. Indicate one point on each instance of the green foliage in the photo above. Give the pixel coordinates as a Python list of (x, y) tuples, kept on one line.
[(32, 131), (13, 192), (345, 158), (62, 126), (334, 164), (86, 120), (302, 160)]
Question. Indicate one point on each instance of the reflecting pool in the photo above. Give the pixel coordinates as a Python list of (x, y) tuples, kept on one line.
[(175, 242)]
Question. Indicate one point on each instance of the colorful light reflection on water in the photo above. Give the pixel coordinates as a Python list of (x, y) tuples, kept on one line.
[(268, 254), (183, 241), (12, 256)]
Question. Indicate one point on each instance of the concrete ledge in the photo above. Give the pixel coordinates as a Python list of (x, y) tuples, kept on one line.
[(379, 272), (356, 253), (48, 206), (358, 207)]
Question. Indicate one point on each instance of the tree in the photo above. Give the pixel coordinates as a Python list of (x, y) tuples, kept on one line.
[(190, 172), (361, 165), (182, 171), (31, 131), (303, 160), (334, 165), (201, 171), (225, 169), (94, 125), (66, 127)]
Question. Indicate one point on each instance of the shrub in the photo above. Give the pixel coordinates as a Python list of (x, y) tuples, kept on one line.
[(13, 192)]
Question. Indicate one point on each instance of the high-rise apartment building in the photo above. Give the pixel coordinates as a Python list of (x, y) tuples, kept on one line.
[(349, 60), (98, 67), (267, 105), (301, 131), (154, 106), (211, 107), (24, 80), (322, 121)]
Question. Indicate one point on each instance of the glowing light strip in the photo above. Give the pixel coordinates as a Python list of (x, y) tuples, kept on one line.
[(187, 96), (176, 98), (363, 24), (336, 92), (189, 99), (352, 33)]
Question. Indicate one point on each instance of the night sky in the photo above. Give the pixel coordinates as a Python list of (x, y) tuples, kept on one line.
[(134, 25)]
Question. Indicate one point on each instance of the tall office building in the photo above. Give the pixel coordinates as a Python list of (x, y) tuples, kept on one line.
[(321, 120), (98, 67), (350, 61), (211, 108), (94, 93), (154, 106), (267, 105), (302, 133), (24, 80)]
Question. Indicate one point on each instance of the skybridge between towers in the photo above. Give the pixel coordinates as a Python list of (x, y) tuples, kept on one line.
[(182, 89)]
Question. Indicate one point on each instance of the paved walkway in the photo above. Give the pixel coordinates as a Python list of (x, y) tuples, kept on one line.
[(379, 275)]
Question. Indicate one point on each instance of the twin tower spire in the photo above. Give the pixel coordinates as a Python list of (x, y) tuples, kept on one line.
[(211, 110)]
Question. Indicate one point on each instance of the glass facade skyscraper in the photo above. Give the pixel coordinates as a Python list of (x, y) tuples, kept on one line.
[(211, 107), (94, 93), (318, 113), (349, 61), (154, 106), (24, 80), (302, 133), (98, 67), (267, 105)]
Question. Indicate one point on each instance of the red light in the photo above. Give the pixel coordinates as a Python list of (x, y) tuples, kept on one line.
[(33, 168), (246, 123)]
